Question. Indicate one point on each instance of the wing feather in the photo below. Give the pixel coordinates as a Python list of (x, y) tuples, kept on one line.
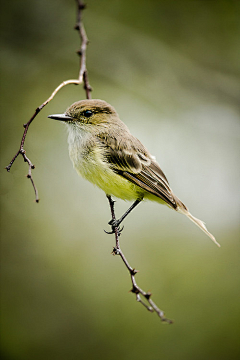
[(130, 159)]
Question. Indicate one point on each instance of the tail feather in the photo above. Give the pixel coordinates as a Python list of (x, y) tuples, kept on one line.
[(184, 210), (202, 226)]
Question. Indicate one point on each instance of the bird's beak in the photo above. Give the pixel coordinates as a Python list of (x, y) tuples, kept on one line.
[(60, 117)]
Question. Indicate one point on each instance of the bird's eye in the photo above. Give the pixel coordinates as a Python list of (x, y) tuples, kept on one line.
[(88, 113)]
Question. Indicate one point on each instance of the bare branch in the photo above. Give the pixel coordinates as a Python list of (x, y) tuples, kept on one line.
[(29, 175), (148, 303), (82, 79)]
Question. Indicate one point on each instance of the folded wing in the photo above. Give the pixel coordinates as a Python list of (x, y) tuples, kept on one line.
[(130, 159)]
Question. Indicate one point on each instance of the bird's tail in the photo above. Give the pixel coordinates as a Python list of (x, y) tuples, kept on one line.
[(184, 210), (202, 226)]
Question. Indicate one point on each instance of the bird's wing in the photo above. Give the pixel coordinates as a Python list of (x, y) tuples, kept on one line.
[(132, 161)]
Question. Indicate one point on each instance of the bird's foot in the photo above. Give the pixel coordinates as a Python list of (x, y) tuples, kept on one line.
[(115, 225)]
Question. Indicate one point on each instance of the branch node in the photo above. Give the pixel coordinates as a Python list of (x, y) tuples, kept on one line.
[(133, 272), (81, 5), (115, 251), (87, 87), (135, 290), (148, 295)]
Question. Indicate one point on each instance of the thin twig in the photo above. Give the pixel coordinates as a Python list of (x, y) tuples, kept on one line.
[(149, 304), (82, 79), (29, 175)]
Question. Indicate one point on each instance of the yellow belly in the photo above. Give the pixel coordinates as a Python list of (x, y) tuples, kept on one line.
[(98, 172)]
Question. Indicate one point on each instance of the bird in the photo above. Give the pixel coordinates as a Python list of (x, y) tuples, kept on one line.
[(104, 152)]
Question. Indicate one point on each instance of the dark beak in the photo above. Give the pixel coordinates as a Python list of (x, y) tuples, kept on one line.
[(60, 117)]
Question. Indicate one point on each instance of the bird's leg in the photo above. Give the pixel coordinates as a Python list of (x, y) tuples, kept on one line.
[(114, 222)]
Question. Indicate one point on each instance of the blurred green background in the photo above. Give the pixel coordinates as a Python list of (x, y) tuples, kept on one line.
[(171, 69)]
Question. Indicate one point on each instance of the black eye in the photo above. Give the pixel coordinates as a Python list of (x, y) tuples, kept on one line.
[(88, 113)]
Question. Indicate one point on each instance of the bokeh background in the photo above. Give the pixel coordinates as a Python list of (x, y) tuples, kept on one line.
[(171, 69)]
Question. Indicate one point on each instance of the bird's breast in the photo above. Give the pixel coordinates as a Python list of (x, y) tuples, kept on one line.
[(88, 159)]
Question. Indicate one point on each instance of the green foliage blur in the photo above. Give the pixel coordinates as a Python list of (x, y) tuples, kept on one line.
[(171, 69)]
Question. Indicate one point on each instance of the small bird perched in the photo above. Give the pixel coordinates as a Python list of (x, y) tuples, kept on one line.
[(103, 151)]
